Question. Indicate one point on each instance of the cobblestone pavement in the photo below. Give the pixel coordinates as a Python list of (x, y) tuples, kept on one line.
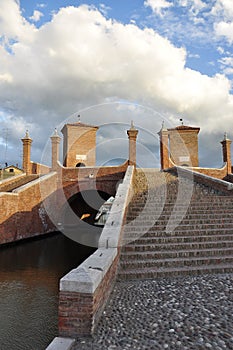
[(172, 313)]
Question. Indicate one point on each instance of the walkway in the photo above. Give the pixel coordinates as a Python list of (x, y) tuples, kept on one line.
[(186, 313)]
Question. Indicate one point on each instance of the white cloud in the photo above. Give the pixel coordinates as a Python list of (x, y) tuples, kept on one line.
[(226, 7), (36, 16), (12, 24), (225, 29), (51, 74), (158, 6)]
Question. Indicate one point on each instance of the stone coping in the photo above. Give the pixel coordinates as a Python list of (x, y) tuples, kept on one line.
[(87, 276), (34, 182), (111, 234), (228, 186), (9, 179), (59, 343)]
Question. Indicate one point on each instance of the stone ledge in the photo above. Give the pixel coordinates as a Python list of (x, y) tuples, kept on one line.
[(110, 237), (87, 277), (59, 343), (228, 186), (34, 182)]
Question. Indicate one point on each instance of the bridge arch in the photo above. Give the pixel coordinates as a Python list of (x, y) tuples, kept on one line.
[(78, 216)]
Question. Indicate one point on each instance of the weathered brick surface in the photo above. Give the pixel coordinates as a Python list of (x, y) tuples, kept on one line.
[(22, 214), (79, 140)]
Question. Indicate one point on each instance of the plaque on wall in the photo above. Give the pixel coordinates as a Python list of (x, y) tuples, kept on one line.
[(81, 157)]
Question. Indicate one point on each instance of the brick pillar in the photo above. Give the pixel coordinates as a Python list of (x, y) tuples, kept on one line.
[(55, 139), (27, 141), (164, 148), (132, 135), (226, 150)]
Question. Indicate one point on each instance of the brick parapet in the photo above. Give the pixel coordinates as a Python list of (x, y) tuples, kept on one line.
[(207, 180), (40, 169), (22, 214)]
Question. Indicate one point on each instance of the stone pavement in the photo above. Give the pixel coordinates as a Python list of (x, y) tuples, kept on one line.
[(186, 313)]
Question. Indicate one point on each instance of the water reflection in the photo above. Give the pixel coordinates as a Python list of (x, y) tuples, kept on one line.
[(29, 282)]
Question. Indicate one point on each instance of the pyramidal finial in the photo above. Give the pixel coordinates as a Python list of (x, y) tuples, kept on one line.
[(132, 126)]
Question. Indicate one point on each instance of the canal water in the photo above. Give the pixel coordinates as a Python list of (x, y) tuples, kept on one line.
[(29, 285)]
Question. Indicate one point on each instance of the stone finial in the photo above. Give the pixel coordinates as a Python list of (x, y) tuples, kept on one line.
[(132, 125)]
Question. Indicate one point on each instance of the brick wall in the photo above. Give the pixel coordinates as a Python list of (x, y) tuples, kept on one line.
[(213, 172), (37, 168), (184, 147), (22, 214)]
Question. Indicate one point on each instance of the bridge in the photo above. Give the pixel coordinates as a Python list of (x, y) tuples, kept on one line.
[(157, 225)]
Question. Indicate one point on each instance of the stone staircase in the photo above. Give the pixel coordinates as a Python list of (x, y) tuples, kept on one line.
[(175, 226)]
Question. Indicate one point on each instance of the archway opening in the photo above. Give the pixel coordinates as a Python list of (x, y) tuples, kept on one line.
[(87, 203), (79, 217), (80, 165)]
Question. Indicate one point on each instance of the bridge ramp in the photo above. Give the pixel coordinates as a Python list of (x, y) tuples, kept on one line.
[(186, 229)]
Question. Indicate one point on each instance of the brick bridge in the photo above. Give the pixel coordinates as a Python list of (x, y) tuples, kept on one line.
[(156, 227), (32, 205)]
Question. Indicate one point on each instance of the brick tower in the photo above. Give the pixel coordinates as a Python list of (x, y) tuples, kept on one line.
[(79, 144), (27, 142), (226, 150), (55, 140), (132, 136), (179, 146)]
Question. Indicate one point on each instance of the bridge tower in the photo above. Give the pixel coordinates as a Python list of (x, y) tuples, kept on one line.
[(226, 149), (132, 136), (27, 142), (179, 146), (79, 144)]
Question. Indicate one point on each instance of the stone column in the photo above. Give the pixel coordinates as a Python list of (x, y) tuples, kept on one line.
[(226, 150), (55, 139), (27, 141), (132, 135), (164, 148)]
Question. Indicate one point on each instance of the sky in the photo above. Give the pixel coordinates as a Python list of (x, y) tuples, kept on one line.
[(150, 61)]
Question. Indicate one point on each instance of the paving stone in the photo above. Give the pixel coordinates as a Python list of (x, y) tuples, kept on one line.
[(193, 313)]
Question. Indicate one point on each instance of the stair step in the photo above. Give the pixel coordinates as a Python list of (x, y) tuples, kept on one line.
[(182, 239), (147, 273), (202, 242), (177, 262), (170, 254), (177, 246)]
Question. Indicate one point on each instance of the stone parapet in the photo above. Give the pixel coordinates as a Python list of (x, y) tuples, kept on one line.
[(84, 291), (216, 183)]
